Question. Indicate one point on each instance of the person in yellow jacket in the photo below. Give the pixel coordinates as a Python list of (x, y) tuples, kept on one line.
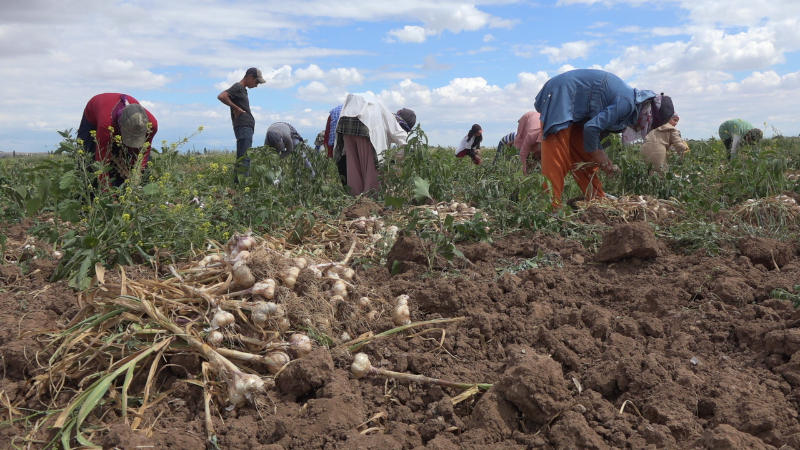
[(659, 140)]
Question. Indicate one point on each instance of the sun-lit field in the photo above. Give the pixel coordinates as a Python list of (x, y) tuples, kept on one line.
[(184, 199), (232, 312)]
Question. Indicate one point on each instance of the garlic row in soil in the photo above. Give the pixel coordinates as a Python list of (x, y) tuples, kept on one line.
[(256, 303)]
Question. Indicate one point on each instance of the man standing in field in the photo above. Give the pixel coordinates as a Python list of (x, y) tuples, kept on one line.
[(122, 129), (244, 124)]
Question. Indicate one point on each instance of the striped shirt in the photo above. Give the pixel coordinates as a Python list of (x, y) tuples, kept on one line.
[(508, 139), (335, 113)]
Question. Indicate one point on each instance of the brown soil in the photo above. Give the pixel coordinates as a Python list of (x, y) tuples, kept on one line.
[(657, 352)]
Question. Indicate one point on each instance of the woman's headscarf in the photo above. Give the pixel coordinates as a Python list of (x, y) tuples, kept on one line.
[(643, 123)]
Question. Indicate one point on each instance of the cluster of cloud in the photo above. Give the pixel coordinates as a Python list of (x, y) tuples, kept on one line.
[(722, 59), (285, 77)]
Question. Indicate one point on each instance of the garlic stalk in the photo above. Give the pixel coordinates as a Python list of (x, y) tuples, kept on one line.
[(362, 367)]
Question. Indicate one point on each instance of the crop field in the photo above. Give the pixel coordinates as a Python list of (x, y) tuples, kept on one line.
[(453, 310)]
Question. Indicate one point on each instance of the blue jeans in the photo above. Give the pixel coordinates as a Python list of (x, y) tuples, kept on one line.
[(244, 140)]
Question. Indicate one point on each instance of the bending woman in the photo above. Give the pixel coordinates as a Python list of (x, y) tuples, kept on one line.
[(659, 140), (471, 144)]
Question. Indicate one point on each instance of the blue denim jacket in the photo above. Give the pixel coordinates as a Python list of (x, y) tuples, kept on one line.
[(596, 99)]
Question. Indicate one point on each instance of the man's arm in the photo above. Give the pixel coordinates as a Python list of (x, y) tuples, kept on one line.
[(225, 98)]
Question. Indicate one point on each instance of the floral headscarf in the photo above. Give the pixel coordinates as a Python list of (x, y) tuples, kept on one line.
[(644, 122)]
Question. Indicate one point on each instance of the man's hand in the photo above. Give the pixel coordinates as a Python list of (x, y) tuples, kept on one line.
[(237, 112), (601, 159)]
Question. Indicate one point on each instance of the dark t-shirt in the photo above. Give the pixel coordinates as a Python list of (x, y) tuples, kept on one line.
[(238, 95)]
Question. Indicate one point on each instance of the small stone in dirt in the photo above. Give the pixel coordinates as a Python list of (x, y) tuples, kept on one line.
[(535, 384), (363, 207), (729, 438), (121, 436), (305, 375), (406, 248), (768, 252), (628, 240)]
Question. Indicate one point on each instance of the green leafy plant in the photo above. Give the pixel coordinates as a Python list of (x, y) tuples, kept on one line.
[(783, 294)]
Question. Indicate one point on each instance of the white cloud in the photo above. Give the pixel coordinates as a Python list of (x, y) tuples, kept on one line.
[(410, 33), (312, 72), (566, 68), (313, 89), (488, 38), (126, 73), (343, 77), (567, 51), (485, 48), (279, 78)]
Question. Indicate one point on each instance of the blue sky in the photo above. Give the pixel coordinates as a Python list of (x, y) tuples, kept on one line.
[(455, 63)]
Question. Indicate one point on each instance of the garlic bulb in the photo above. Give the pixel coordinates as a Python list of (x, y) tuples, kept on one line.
[(215, 338), (263, 311), (361, 365), (259, 318), (243, 255), (265, 288), (244, 386), (339, 288), (221, 319), (401, 315), (289, 276), (331, 273), (278, 360), (245, 242), (348, 273), (364, 302), (300, 345), (209, 259), (345, 337), (316, 271), (268, 309), (242, 277), (300, 263), (401, 300), (283, 323), (336, 299)]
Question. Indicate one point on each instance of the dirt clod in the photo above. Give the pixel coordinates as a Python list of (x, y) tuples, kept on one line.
[(628, 240)]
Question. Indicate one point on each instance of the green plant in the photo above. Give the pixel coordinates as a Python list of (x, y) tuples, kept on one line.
[(783, 294)]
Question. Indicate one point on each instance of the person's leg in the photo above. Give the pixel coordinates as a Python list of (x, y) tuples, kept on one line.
[(734, 149), (244, 140), (555, 163), (471, 153), (366, 158), (497, 155), (587, 176), (341, 167), (355, 180)]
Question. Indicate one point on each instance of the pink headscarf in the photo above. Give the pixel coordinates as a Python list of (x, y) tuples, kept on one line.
[(116, 113)]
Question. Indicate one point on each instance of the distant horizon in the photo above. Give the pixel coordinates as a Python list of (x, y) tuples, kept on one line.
[(455, 63)]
